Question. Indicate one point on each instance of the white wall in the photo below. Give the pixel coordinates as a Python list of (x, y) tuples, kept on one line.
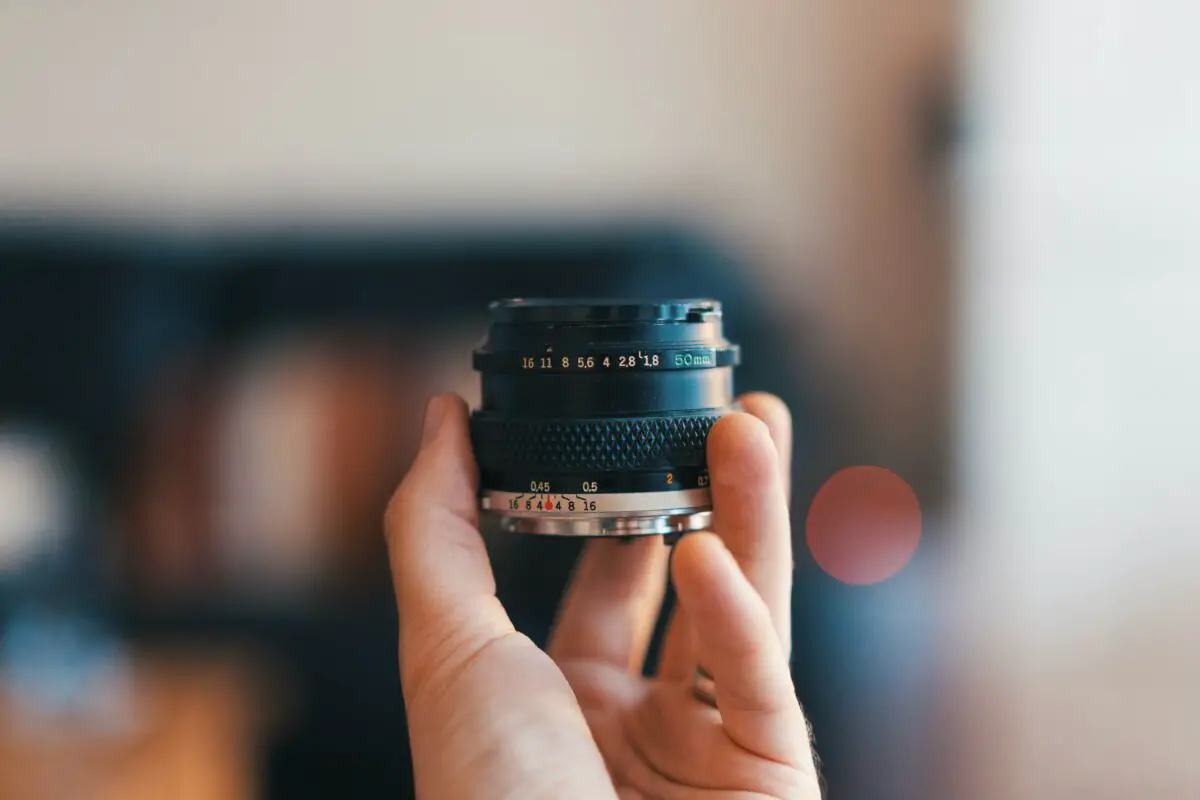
[(221, 108), (1081, 391)]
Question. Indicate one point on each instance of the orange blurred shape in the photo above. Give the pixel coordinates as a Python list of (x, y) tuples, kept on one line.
[(863, 525)]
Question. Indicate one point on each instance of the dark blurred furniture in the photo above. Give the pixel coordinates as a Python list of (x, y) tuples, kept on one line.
[(91, 315)]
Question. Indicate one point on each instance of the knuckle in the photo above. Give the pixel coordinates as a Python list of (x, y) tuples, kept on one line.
[(769, 407)]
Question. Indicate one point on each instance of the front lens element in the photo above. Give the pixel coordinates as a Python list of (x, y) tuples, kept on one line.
[(595, 414)]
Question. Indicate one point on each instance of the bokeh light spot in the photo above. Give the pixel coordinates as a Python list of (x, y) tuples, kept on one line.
[(863, 525)]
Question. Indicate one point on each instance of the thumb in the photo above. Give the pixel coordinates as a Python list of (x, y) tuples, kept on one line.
[(489, 714), (445, 590)]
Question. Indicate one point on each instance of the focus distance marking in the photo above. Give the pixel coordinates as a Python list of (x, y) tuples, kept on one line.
[(608, 504)]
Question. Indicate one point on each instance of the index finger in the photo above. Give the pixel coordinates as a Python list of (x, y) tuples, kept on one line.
[(750, 511)]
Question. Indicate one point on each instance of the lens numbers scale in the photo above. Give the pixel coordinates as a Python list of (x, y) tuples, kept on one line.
[(638, 360), (551, 503)]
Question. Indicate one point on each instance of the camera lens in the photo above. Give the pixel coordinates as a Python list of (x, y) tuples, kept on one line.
[(595, 414)]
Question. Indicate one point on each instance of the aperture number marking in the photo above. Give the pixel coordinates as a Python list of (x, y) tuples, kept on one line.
[(638, 360)]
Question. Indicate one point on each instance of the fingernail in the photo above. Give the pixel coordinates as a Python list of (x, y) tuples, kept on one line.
[(434, 413)]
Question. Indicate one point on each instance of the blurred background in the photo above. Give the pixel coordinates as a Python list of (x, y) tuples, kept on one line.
[(241, 242)]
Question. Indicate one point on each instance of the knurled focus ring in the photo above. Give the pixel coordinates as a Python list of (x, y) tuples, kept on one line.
[(591, 444)]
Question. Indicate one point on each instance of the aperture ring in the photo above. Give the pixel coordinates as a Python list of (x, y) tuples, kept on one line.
[(591, 444), (609, 359)]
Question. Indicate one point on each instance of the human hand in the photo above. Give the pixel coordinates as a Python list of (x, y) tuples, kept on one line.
[(491, 715)]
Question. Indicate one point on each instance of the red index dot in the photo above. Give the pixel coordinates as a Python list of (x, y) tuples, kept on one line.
[(864, 525)]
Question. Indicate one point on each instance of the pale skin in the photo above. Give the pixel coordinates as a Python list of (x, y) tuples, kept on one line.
[(493, 716)]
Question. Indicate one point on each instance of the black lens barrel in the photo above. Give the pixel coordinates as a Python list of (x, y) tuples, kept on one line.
[(599, 387)]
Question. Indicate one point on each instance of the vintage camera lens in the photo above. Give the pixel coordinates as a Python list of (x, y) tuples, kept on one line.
[(595, 414)]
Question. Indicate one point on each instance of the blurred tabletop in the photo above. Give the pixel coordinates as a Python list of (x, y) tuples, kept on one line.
[(178, 725)]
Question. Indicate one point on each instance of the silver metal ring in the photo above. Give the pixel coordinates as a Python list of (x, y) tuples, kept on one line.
[(618, 504), (704, 688), (668, 521)]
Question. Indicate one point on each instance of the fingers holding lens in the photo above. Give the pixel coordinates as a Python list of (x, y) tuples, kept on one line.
[(752, 490), (750, 511), (775, 415)]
